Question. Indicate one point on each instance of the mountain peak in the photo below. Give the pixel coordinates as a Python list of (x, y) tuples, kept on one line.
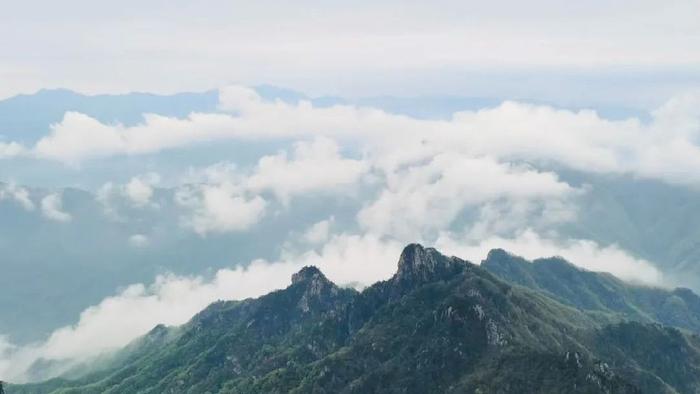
[(411, 255), (308, 273), (315, 291), (418, 264), (498, 254)]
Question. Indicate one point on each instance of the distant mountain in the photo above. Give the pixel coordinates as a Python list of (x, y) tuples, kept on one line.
[(654, 220), (597, 291), (440, 324)]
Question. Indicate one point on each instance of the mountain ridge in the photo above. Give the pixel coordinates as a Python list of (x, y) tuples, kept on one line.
[(598, 291), (440, 324)]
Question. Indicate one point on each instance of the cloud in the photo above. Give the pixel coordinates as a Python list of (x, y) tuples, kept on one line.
[(665, 148), (353, 259), (315, 167), (78, 137), (140, 189), (319, 231), (52, 208), (218, 208), (137, 193), (507, 217), (106, 196), (584, 253), (429, 196), (222, 198), (18, 194), (11, 150), (139, 240)]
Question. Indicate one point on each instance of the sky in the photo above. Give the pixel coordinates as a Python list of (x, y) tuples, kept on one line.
[(631, 51), (270, 184)]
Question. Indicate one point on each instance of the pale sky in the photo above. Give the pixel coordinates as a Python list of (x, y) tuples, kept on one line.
[(437, 47)]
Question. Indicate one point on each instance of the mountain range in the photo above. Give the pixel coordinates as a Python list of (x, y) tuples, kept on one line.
[(439, 324)]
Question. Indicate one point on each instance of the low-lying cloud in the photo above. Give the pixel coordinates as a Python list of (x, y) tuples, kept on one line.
[(52, 208), (429, 196), (18, 194), (665, 148)]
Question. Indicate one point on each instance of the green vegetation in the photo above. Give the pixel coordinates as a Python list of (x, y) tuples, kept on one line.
[(595, 291), (440, 324)]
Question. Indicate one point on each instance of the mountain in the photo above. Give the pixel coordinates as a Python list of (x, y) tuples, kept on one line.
[(440, 324), (596, 291), (657, 221)]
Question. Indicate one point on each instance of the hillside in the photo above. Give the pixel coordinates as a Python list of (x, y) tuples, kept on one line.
[(440, 324), (597, 291)]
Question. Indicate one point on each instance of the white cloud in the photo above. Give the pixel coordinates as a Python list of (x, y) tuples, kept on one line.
[(508, 217), (319, 231), (52, 208), (222, 198), (315, 167), (137, 192), (217, 208), (429, 196), (583, 253), (17, 193), (666, 148), (139, 240), (79, 137), (353, 259), (140, 189), (106, 195), (11, 150)]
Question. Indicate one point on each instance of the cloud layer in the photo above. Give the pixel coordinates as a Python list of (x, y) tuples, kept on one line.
[(665, 148)]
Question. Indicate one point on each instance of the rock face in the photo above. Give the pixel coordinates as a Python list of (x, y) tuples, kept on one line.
[(309, 274), (419, 265), (317, 290), (439, 325)]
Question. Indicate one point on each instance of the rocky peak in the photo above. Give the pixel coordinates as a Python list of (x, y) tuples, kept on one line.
[(309, 273), (315, 288), (498, 255), (415, 259), (419, 265)]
